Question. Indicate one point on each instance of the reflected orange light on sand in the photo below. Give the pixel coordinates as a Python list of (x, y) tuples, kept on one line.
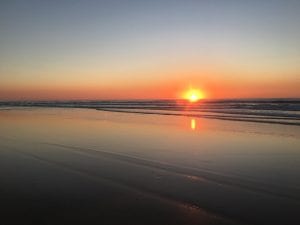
[(193, 124)]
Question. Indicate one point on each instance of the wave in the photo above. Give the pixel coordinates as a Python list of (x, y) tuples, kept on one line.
[(278, 111)]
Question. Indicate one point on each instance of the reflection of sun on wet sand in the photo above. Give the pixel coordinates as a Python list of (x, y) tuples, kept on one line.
[(193, 124)]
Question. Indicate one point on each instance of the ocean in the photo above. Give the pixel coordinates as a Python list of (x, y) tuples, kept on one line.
[(280, 111)]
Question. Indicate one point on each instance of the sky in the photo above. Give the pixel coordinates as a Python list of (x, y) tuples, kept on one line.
[(86, 49)]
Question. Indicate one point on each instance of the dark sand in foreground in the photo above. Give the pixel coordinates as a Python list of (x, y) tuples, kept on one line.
[(62, 166)]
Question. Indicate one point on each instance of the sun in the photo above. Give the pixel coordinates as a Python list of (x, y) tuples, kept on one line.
[(193, 98), (193, 95)]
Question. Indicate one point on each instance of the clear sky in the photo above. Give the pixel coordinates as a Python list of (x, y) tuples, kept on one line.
[(110, 49)]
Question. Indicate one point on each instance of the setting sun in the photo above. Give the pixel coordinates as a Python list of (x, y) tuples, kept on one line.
[(193, 95)]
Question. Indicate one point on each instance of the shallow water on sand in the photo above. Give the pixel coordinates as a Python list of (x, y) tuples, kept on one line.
[(84, 166)]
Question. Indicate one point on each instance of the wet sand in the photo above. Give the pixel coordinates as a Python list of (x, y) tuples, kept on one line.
[(75, 166)]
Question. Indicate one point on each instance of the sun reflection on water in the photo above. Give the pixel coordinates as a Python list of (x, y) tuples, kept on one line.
[(193, 124)]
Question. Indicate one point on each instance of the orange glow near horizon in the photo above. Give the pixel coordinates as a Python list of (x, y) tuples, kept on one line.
[(193, 95), (172, 89)]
